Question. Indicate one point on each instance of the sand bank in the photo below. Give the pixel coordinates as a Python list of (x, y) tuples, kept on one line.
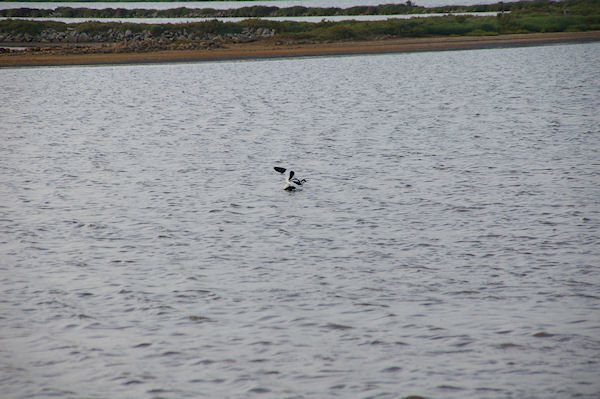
[(270, 49)]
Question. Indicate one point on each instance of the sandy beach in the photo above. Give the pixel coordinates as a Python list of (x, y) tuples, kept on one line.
[(270, 49)]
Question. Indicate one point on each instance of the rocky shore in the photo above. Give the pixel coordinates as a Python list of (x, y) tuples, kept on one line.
[(114, 40), (111, 53)]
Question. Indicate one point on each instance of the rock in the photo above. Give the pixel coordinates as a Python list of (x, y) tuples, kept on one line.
[(114, 40)]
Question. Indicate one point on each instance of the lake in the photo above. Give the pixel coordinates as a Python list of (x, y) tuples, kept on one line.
[(446, 244), (224, 5), (185, 20)]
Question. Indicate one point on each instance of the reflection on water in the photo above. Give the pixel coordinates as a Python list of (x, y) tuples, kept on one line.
[(446, 244)]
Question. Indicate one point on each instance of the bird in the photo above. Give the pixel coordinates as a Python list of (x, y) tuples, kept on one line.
[(291, 183)]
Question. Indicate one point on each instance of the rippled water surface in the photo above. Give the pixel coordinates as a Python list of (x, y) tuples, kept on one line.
[(446, 245)]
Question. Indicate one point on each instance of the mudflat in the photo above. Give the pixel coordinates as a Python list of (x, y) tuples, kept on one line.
[(272, 49)]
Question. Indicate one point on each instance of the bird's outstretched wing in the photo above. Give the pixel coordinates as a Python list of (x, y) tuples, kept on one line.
[(298, 182)]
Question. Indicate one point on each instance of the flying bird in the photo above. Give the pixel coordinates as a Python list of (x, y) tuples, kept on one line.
[(291, 183)]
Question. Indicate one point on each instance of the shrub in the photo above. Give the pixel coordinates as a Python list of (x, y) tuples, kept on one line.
[(30, 27)]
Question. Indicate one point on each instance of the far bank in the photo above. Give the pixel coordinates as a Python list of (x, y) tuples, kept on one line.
[(271, 49)]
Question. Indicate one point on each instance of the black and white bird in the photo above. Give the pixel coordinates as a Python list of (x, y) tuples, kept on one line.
[(291, 183)]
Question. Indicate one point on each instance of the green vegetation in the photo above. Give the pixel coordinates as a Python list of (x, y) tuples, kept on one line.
[(33, 28), (580, 7), (524, 17), (249, 12)]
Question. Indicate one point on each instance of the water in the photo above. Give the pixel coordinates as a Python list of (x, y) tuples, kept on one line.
[(334, 18), (225, 5), (446, 244)]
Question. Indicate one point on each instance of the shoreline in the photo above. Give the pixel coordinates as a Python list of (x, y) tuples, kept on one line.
[(268, 49)]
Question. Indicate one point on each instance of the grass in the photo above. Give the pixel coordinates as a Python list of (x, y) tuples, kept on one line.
[(525, 17), (579, 7)]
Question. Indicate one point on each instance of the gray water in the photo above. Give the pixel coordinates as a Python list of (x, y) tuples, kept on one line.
[(224, 5), (334, 18), (446, 244)]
